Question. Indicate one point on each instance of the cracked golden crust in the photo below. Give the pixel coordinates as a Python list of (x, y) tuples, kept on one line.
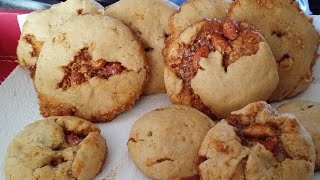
[(308, 113), (164, 146), (225, 157), (222, 90), (291, 36), (41, 150), (191, 12), (97, 99)]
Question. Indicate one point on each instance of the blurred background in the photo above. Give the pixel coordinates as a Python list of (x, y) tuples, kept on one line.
[(308, 6)]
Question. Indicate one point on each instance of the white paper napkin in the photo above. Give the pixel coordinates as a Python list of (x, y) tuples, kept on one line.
[(19, 107)]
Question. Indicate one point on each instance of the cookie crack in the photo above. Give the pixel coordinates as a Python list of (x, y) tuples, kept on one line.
[(148, 49), (83, 68), (71, 139), (135, 140), (310, 106), (267, 134), (199, 160), (72, 161), (241, 166), (158, 161), (53, 163), (279, 34)]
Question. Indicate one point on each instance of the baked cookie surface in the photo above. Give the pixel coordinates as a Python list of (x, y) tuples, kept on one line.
[(40, 25), (291, 36), (219, 67), (62, 147), (257, 143), (148, 19), (193, 11), (308, 113), (164, 143), (93, 68)]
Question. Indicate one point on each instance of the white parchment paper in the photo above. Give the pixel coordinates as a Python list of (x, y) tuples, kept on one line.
[(19, 107)]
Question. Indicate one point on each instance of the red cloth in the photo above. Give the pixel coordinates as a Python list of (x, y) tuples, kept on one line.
[(10, 33)]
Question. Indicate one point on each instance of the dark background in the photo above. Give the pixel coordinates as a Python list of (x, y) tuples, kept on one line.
[(314, 5)]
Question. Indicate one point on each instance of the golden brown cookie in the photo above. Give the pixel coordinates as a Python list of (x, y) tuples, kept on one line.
[(192, 11), (149, 20), (219, 67), (257, 143), (62, 147), (40, 25), (291, 36), (164, 143), (93, 68), (308, 113)]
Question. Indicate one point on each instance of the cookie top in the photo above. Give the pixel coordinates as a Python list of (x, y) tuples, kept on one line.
[(62, 147), (39, 26), (291, 36), (164, 143), (149, 21), (308, 113), (192, 11), (219, 67), (257, 143), (93, 68)]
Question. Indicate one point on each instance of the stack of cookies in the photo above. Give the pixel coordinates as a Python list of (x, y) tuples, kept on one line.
[(218, 61)]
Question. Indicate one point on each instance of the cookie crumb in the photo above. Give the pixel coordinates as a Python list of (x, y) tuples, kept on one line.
[(112, 174)]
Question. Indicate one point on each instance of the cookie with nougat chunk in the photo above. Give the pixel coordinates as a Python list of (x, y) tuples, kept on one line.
[(194, 10), (61, 147), (308, 113), (149, 21), (40, 25), (218, 67), (164, 142), (257, 143), (93, 68), (291, 36)]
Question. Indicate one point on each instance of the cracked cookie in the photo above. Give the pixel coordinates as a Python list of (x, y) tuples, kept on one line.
[(164, 142), (148, 19), (219, 67), (192, 11), (308, 113), (257, 143), (93, 68), (291, 36), (40, 25), (62, 147)]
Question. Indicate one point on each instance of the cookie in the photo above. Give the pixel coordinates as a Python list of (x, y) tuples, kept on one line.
[(63, 147), (257, 143), (164, 143), (93, 68), (193, 11), (219, 67), (149, 20), (291, 36), (39, 26), (308, 113)]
